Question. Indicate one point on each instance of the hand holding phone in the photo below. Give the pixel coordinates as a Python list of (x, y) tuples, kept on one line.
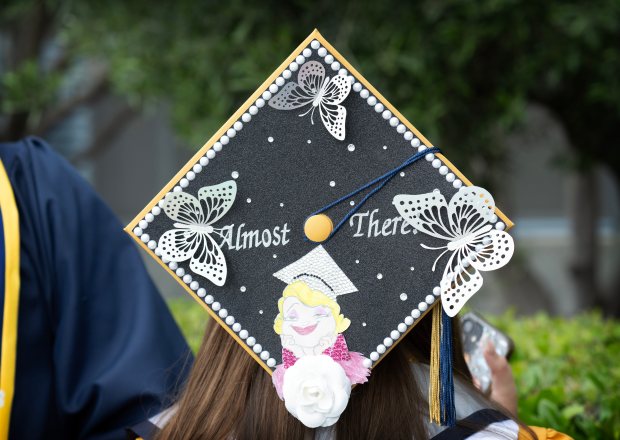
[(477, 333)]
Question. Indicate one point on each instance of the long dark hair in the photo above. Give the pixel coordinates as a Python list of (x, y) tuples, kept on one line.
[(229, 396)]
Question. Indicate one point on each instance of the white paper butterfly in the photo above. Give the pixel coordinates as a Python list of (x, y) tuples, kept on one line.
[(192, 237), (474, 245), (314, 88)]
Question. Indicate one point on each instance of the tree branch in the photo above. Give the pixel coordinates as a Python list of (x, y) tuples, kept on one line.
[(106, 136), (51, 118), (27, 38)]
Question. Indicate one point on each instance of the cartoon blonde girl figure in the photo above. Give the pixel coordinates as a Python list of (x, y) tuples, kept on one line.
[(309, 321)]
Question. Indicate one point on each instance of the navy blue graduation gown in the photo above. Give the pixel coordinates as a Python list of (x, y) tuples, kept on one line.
[(97, 348)]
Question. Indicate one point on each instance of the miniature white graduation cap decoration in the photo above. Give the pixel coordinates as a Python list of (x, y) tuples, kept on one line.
[(320, 272), (401, 232)]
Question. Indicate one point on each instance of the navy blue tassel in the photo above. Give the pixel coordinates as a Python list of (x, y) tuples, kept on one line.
[(446, 399)]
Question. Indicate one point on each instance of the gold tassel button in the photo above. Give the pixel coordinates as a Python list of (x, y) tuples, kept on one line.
[(318, 228)]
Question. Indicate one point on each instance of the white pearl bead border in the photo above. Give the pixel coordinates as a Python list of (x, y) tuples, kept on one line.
[(401, 328), (225, 139)]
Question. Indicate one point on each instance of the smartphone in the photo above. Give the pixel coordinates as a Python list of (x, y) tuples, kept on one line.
[(476, 331)]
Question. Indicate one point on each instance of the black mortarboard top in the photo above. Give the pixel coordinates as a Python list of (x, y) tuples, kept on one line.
[(317, 226)]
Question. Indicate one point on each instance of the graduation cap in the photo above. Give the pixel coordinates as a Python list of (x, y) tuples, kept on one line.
[(317, 226)]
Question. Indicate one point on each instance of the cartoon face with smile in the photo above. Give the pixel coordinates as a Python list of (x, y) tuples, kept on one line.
[(309, 321), (307, 325)]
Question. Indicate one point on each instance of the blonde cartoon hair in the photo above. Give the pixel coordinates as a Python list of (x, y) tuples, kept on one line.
[(310, 298)]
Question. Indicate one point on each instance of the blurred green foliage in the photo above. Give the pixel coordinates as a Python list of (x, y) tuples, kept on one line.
[(567, 370), (461, 71), (191, 318), (23, 90)]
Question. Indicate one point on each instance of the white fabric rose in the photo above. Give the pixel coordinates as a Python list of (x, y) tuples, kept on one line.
[(316, 390)]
